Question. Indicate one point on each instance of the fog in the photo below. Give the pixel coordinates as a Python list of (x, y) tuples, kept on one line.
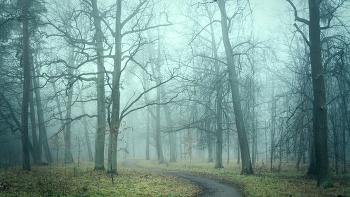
[(217, 81)]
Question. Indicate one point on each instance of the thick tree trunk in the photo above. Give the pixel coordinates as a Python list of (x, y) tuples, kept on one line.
[(26, 87), (324, 178), (312, 171), (115, 122), (239, 153), (100, 89), (244, 146)]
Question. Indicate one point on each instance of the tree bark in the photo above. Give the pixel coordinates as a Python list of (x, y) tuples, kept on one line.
[(244, 146), (324, 178), (312, 170), (26, 87), (100, 89), (68, 158), (115, 122)]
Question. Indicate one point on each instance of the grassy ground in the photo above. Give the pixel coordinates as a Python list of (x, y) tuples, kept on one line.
[(70, 180), (287, 182)]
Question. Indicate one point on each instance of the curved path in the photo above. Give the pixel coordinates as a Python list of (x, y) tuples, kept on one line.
[(210, 187)]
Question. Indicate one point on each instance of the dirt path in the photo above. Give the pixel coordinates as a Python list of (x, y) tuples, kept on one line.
[(210, 187)]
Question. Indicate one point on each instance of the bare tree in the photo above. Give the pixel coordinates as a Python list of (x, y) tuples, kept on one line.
[(244, 146), (100, 87), (320, 128)]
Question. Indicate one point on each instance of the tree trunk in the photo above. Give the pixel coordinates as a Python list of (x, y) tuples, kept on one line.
[(158, 75), (312, 171), (218, 82), (100, 89), (244, 146), (148, 109), (324, 178), (86, 131), (68, 158), (180, 146), (254, 134), (238, 153), (147, 137), (167, 113), (228, 146), (36, 157), (26, 87), (133, 142), (115, 122), (210, 148), (159, 147), (41, 121), (57, 145), (344, 120), (334, 126)]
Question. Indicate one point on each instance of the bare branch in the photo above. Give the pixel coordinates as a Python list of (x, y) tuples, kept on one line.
[(138, 98), (13, 116), (297, 18), (137, 9), (302, 34)]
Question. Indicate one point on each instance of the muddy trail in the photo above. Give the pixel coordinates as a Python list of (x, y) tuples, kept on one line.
[(210, 187)]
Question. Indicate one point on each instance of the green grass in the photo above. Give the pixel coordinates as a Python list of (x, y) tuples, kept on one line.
[(287, 182), (83, 181)]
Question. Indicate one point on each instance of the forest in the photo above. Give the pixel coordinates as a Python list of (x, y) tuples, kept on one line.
[(248, 92)]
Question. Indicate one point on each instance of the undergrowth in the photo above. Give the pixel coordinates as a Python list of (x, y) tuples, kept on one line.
[(83, 181), (287, 182)]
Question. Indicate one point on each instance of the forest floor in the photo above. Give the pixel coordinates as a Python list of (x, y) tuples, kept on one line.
[(286, 182), (168, 179), (83, 181), (210, 187)]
